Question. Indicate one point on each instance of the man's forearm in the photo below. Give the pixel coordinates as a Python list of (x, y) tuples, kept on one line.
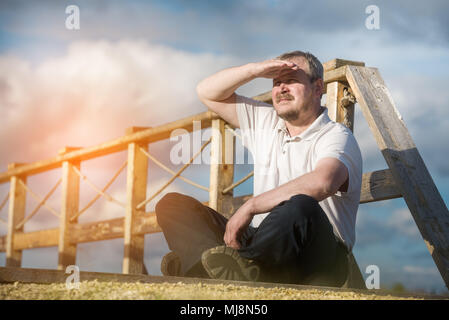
[(223, 84), (309, 184)]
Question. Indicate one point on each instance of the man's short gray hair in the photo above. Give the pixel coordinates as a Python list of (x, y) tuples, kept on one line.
[(315, 66)]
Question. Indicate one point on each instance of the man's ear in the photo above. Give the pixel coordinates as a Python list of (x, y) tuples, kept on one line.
[(319, 87)]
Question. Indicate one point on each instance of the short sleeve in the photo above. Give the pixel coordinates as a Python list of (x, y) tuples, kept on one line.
[(339, 143)]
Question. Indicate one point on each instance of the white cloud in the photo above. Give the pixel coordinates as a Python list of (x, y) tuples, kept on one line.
[(418, 270), (402, 222), (91, 94)]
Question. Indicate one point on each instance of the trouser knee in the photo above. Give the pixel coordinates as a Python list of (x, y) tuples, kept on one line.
[(297, 209), (166, 207)]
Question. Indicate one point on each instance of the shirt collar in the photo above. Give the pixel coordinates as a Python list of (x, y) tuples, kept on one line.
[(310, 132)]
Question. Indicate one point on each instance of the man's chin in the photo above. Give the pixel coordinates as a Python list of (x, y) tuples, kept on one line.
[(289, 115)]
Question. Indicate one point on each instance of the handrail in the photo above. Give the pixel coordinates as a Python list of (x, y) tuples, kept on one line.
[(148, 135)]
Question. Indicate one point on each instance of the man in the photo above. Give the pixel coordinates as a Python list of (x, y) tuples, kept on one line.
[(300, 224)]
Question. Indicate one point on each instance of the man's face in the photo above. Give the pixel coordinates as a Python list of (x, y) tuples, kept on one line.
[(293, 94)]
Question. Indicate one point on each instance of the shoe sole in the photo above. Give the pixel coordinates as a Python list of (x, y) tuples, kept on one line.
[(226, 264)]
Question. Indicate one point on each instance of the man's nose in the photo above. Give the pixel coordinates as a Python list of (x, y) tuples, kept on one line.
[(283, 87)]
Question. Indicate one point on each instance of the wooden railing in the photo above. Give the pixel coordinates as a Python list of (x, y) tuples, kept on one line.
[(136, 222)]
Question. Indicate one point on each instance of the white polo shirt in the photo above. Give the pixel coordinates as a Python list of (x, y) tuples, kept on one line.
[(279, 158)]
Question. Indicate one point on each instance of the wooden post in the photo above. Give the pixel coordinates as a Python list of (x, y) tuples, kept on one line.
[(338, 95), (16, 213), (136, 190), (221, 168), (69, 208)]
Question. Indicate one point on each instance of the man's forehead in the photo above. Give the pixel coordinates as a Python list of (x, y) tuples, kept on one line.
[(300, 61)]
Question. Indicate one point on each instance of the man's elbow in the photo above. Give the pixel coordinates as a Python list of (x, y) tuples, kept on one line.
[(326, 188), (200, 91)]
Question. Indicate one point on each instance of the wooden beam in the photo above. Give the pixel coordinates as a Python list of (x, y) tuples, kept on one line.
[(132, 130), (376, 186), (337, 63), (82, 233), (69, 208), (408, 168), (136, 189), (16, 213), (68, 149), (379, 185), (221, 168)]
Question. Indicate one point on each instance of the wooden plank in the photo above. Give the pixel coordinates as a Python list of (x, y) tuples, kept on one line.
[(221, 168), (379, 185), (376, 186), (145, 136), (16, 213), (409, 171), (37, 239), (337, 63), (136, 190), (132, 130), (82, 233), (69, 208), (67, 150)]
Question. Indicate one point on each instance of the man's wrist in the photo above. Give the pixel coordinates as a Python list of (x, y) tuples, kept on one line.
[(251, 206), (252, 70)]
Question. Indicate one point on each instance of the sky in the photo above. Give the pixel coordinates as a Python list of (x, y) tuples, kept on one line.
[(136, 63)]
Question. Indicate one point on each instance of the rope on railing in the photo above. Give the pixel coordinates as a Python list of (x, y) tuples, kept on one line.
[(233, 132), (176, 175), (232, 186), (2, 205), (161, 165), (4, 201), (91, 202), (40, 204), (94, 187), (53, 211)]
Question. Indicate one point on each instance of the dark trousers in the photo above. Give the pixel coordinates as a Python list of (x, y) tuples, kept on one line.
[(295, 243)]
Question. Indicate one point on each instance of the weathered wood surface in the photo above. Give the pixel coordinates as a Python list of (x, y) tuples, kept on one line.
[(136, 190), (409, 171), (69, 208), (221, 168), (16, 213), (82, 233), (337, 63), (338, 112)]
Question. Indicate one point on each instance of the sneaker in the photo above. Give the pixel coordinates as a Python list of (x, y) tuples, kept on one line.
[(225, 263), (171, 265)]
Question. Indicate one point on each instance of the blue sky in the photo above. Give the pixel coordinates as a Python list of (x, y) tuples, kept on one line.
[(136, 63)]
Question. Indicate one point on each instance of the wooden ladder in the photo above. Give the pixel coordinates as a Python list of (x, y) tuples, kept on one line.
[(407, 173)]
